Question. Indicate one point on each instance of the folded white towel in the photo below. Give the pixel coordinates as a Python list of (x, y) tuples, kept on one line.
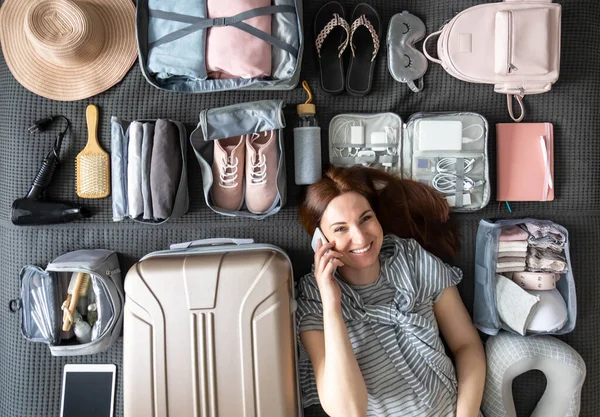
[(134, 170), (515, 245)]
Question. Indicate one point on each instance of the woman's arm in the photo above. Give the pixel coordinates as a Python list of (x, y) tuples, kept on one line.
[(464, 342), (340, 384)]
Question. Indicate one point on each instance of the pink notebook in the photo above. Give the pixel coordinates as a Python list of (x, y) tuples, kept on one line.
[(525, 161)]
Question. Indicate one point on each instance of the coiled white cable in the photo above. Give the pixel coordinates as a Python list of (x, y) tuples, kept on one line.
[(446, 183), (445, 180), (448, 165)]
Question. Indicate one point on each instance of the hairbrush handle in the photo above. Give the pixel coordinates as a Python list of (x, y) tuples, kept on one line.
[(72, 302), (92, 116)]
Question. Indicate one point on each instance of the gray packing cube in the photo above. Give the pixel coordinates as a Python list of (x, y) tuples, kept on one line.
[(119, 155), (235, 120), (286, 40), (45, 290), (485, 314), (386, 142)]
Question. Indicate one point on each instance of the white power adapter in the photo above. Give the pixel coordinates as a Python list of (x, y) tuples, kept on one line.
[(357, 135), (379, 141), (451, 199)]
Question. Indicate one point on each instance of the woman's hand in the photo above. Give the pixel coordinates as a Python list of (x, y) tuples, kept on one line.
[(326, 260)]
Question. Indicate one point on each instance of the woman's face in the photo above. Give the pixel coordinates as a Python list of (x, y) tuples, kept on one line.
[(350, 221)]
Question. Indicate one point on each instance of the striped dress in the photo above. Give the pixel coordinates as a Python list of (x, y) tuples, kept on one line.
[(393, 332)]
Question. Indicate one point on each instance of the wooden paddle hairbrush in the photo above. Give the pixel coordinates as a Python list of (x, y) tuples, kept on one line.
[(92, 168)]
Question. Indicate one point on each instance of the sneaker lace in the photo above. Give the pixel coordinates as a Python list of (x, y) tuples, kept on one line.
[(228, 179), (258, 169)]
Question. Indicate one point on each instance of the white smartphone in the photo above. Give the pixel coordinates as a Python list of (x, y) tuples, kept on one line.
[(88, 390), (318, 235)]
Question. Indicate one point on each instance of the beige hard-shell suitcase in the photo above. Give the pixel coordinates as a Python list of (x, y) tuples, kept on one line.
[(209, 332)]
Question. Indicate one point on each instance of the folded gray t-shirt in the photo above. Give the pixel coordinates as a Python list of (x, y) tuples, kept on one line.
[(165, 168), (147, 142)]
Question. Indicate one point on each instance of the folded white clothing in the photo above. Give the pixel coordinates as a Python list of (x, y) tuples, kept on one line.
[(514, 264), (134, 170), (515, 245), (510, 269), (515, 305)]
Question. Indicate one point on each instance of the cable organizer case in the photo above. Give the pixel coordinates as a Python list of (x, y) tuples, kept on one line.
[(234, 120), (209, 330), (119, 162), (447, 151), (485, 314), (44, 290), (168, 30)]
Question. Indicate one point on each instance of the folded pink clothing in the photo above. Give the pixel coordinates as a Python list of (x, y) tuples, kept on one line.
[(513, 233), (233, 53)]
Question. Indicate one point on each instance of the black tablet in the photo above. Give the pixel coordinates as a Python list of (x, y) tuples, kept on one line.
[(88, 390)]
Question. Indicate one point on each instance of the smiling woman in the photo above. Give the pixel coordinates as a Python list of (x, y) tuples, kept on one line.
[(404, 208), (370, 312)]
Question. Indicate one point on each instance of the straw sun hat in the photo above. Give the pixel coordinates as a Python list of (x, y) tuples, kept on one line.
[(68, 49)]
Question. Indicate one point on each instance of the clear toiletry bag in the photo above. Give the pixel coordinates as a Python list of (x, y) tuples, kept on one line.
[(240, 149), (205, 46), (149, 174), (447, 151), (558, 314), (75, 305)]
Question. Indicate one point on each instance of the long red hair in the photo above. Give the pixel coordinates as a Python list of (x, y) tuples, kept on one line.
[(405, 208)]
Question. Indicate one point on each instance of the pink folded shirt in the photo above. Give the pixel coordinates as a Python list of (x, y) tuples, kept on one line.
[(233, 53), (512, 233)]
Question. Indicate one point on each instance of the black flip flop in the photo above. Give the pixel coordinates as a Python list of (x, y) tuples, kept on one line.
[(331, 32), (365, 35)]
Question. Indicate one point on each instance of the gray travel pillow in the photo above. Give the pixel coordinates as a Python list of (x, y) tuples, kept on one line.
[(405, 63), (509, 356)]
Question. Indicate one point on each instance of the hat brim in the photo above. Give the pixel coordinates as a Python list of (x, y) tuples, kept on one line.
[(67, 83)]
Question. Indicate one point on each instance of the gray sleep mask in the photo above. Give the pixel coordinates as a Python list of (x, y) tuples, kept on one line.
[(405, 63)]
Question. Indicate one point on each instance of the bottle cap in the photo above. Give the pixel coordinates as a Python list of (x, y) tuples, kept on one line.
[(307, 107)]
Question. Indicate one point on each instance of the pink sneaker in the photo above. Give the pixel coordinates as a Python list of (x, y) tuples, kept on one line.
[(262, 160), (228, 170)]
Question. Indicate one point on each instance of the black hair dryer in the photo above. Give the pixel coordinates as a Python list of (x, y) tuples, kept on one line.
[(33, 209)]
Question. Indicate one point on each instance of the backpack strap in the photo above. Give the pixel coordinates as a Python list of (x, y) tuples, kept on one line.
[(509, 103), (429, 57)]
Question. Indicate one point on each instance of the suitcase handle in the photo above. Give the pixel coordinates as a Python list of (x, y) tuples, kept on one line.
[(211, 242)]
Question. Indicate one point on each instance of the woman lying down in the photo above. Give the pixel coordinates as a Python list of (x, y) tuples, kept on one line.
[(369, 312)]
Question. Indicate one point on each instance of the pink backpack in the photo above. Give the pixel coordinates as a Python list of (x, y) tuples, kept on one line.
[(514, 45)]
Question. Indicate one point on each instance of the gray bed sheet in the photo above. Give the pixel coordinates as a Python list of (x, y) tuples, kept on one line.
[(30, 378)]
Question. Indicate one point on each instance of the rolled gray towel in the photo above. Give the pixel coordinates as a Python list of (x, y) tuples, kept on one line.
[(165, 168)]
